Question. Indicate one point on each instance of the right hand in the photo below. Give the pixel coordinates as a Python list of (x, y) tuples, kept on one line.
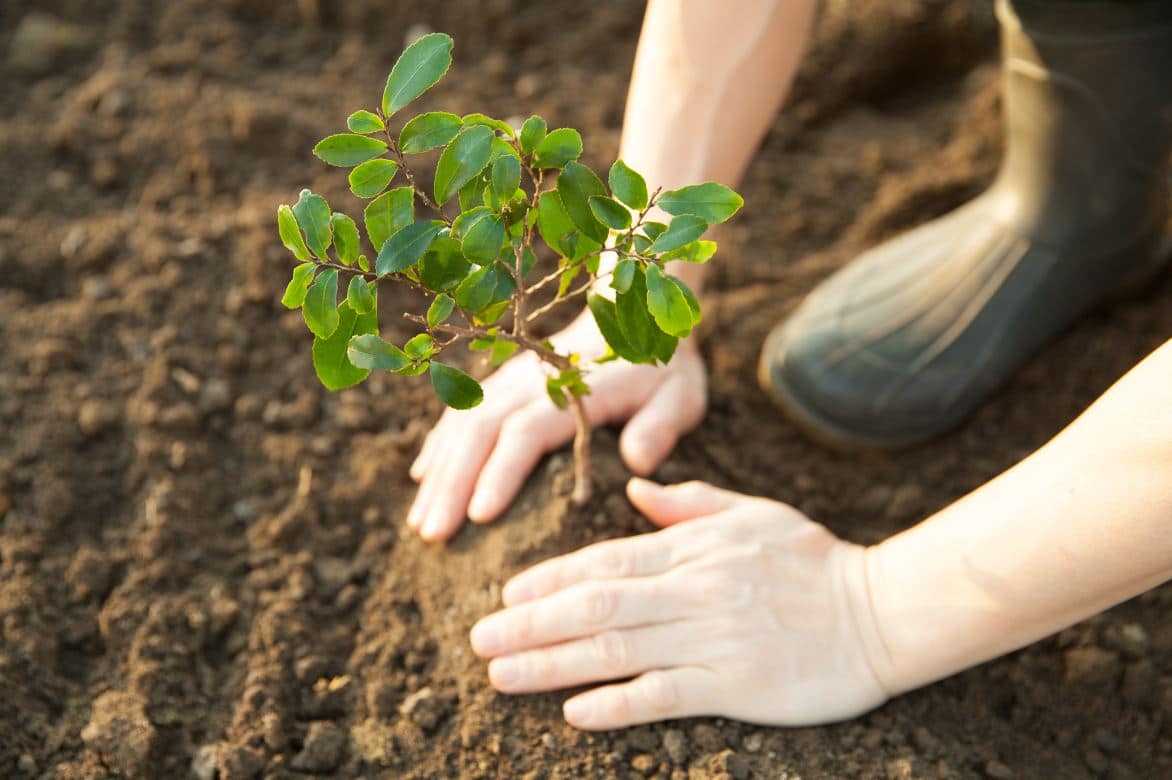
[(474, 462)]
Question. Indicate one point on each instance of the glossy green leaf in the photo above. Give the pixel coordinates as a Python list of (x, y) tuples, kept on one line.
[(627, 185), (690, 297), (624, 274), (467, 219), (290, 233), (475, 291), (321, 304), (634, 320), (506, 177), (454, 387), (420, 346), (371, 352), (567, 279), (443, 265), (470, 195), (558, 148), (576, 185), (712, 202), (364, 264), (298, 286), (418, 68), (346, 149), (429, 131), (667, 304), (363, 121), (313, 216), (610, 212), (531, 133), (556, 393), (461, 161), (498, 125), (388, 213), (345, 237), (502, 350), (405, 248), (440, 310), (695, 252), (684, 229), (559, 231), (360, 295), (653, 229), (330, 355), (482, 241), (371, 177), (606, 317)]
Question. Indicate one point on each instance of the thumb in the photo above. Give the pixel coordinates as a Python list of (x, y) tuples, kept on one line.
[(671, 504), (656, 427)]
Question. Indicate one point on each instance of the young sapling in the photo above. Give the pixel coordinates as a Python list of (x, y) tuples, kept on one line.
[(474, 252)]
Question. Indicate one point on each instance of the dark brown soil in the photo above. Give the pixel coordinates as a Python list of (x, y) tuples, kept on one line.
[(171, 602)]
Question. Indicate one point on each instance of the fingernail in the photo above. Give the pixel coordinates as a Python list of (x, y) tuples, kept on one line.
[(476, 509), (504, 672), (577, 710), (485, 638), (432, 529)]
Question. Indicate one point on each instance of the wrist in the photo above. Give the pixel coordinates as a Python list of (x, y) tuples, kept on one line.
[(856, 564)]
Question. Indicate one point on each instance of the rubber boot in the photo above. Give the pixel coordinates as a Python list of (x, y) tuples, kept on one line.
[(910, 338)]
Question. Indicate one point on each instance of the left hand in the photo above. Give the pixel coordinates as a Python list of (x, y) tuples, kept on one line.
[(749, 611)]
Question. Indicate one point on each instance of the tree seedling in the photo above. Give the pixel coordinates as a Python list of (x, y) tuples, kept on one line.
[(474, 253)]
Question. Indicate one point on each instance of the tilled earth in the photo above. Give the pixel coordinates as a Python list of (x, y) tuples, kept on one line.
[(203, 565)]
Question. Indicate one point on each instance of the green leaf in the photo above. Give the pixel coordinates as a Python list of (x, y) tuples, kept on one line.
[(444, 265), (482, 241), (371, 352), (556, 393), (475, 292), (606, 317), (454, 387), (683, 230), (462, 160), (388, 213), (321, 304), (695, 252), (567, 279), (313, 215), (559, 231), (624, 273), (470, 194), (371, 177), (429, 131), (627, 185), (690, 297), (364, 264), (440, 310), (653, 229), (712, 202), (346, 149), (469, 120), (531, 133), (635, 321), (420, 346), (345, 237), (418, 68), (577, 184), (558, 148), (501, 148), (469, 218), (502, 350), (330, 355), (360, 295), (295, 291), (667, 304), (506, 177), (406, 246), (363, 121), (610, 212), (290, 233)]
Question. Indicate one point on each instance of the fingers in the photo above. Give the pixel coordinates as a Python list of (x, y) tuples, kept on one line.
[(671, 504), (442, 501), (674, 409), (679, 692), (525, 436), (639, 556), (578, 611), (609, 655)]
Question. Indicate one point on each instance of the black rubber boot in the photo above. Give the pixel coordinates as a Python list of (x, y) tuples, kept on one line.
[(910, 338)]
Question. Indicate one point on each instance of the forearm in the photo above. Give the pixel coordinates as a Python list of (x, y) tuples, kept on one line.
[(707, 82), (1081, 525)]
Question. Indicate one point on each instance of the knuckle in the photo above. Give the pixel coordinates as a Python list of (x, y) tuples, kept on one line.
[(613, 652), (523, 631), (519, 425), (613, 561), (598, 604), (540, 667), (659, 693)]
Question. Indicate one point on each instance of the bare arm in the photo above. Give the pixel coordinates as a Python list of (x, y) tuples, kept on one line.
[(1081, 525)]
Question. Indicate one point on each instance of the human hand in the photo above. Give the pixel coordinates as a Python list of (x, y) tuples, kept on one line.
[(749, 611), (474, 462)]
